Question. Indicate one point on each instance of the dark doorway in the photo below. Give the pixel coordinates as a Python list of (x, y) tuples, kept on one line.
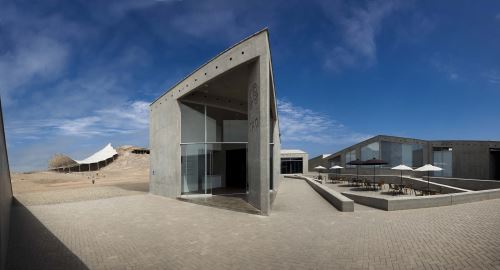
[(495, 163), (236, 169)]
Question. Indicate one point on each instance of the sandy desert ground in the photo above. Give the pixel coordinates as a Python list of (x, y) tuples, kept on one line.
[(128, 170)]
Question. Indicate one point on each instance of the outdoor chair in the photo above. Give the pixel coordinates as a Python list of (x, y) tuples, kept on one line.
[(366, 184), (380, 185), (418, 192), (408, 188), (395, 189), (391, 187)]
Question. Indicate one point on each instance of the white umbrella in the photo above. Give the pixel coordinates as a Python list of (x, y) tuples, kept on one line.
[(318, 168), (336, 167), (428, 168), (402, 168)]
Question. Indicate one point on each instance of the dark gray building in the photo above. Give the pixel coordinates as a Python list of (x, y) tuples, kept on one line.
[(458, 158)]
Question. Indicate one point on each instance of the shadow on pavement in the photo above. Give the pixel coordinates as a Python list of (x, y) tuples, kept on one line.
[(33, 246)]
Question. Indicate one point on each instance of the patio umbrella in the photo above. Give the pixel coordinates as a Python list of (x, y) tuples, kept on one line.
[(336, 167), (402, 168), (319, 168), (356, 162), (375, 162), (428, 168)]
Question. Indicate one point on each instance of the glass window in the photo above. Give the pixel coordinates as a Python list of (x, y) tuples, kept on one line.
[(291, 165), (193, 169), (443, 158), (350, 156), (192, 123), (335, 161), (417, 155), (226, 126), (208, 165), (402, 153), (370, 151)]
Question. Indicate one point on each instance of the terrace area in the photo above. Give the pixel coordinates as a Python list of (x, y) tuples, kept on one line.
[(142, 231)]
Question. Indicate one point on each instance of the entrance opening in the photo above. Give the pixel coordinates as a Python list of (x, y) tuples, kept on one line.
[(291, 165), (495, 163), (236, 170)]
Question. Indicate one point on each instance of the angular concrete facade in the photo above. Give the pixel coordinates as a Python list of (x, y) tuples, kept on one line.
[(238, 80), (5, 194)]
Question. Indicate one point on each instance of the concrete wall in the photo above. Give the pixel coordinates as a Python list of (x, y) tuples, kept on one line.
[(5, 194), (405, 203), (317, 161), (276, 157), (471, 159), (165, 139), (258, 136), (339, 201), (471, 184), (165, 121)]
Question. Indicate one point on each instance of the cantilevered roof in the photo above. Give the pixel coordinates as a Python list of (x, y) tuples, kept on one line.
[(107, 152)]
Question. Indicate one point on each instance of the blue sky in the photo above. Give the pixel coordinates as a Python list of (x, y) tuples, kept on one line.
[(75, 75)]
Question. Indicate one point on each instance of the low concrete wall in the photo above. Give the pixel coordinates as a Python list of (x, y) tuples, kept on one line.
[(405, 203), (419, 202), (472, 184), (475, 196), (375, 202), (5, 194), (338, 200)]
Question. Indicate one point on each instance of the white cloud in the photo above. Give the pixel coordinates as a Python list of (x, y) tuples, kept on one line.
[(125, 119), (444, 66), (492, 76), (359, 27), (32, 58), (298, 124)]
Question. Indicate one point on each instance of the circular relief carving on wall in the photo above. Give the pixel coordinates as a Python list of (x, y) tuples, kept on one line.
[(253, 95)]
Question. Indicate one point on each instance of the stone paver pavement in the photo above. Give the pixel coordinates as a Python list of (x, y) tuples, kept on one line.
[(303, 232)]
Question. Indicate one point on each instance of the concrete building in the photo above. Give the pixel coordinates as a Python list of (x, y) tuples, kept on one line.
[(217, 131), (459, 159), (293, 161), (321, 160), (5, 194)]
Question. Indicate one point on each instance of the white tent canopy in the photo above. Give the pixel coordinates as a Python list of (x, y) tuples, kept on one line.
[(319, 168), (336, 167), (107, 152)]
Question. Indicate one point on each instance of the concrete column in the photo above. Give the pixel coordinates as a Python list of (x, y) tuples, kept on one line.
[(258, 135)]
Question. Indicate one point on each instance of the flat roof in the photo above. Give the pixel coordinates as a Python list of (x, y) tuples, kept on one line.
[(292, 151)]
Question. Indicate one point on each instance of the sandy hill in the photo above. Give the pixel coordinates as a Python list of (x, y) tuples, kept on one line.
[(127, 168)]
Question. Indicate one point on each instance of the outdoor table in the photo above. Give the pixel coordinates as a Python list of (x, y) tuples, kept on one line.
[(401, 186)]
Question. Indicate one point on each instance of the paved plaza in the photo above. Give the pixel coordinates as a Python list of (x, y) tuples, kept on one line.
[(142, 231)]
